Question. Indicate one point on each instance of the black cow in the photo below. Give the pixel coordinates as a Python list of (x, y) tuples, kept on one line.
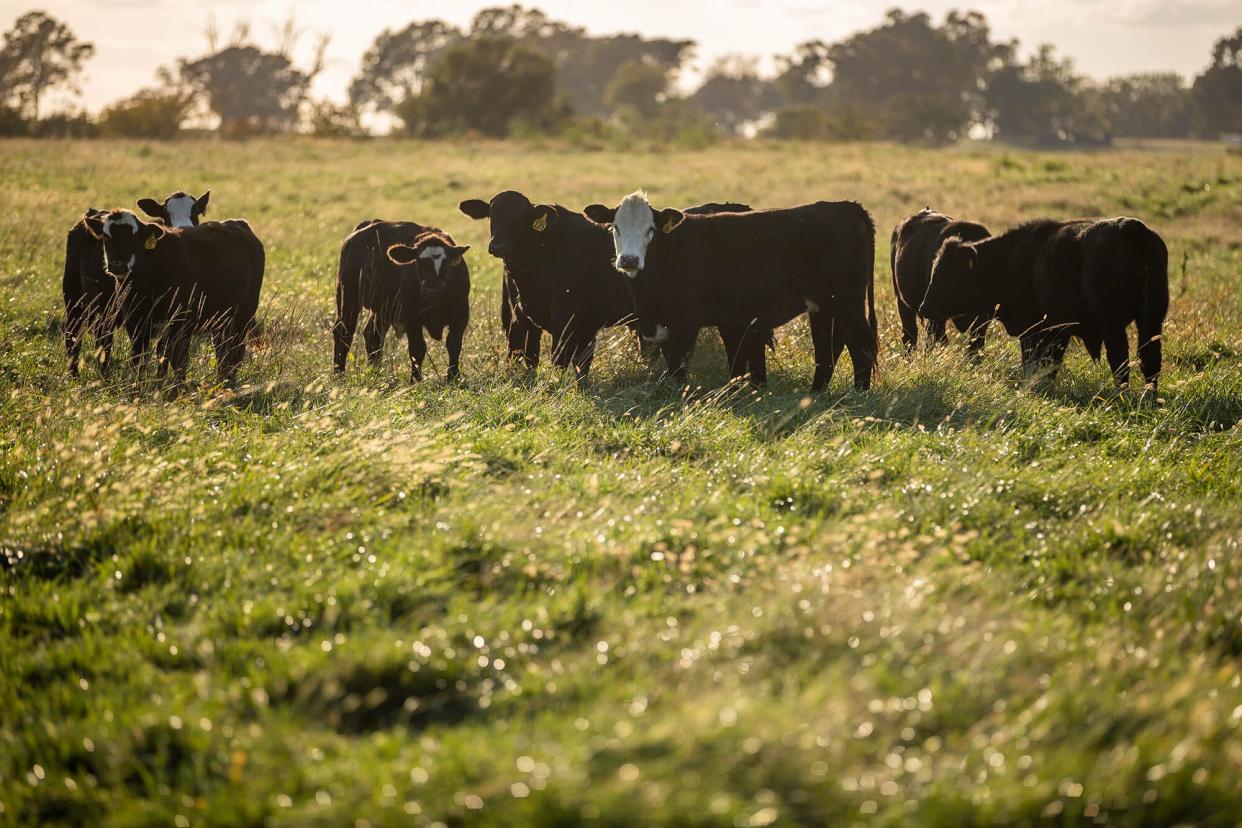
[(182, 280), (757, 269), (558, 277), (1050, 280), (88, 291), (915, 244), (412, 278)]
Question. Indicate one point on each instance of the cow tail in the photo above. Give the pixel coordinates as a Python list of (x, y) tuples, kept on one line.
[(871, 320), (1153, 267)]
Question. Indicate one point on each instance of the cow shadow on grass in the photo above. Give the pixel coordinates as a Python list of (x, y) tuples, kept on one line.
[(937, 390)]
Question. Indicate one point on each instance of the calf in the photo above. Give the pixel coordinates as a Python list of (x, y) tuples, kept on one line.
[(88, 291), (412, 278), (182, 280), (758, 269), (558, 278), (915, 244), (1051, 280)]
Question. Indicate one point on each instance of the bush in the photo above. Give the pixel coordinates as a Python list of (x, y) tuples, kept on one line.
[(12, 124), (800, 123), (329, 120), (64, 125), (149, 114)]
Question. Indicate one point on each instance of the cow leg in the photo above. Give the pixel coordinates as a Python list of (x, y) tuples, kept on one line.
[(1117, 346), (976, 333), (75, 322), (105, 327), (1043, 354), (828, 347), (452, 343), (584, 355), (677, 353), (347, 309), (418, 351), (755, 344), (863, 348), (909, 326), (230, 342), (140, 344), (373, 334), (1149, 351), (935, 332), (522, 335), (734, 341)]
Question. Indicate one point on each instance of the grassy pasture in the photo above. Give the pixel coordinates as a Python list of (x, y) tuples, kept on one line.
[(314, 601)]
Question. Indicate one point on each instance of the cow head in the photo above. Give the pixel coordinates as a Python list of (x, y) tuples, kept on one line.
[(954, 289), (426, 264), (178, 210), (515, 222), (634, 225), (126, 240)]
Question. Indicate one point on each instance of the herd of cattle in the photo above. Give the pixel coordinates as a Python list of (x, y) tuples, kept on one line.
[(666, 273)]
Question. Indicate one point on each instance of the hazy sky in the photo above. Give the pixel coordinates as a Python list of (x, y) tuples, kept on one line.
[(1104, 37)]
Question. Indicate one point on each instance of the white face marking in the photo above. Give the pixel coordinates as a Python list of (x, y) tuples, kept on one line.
[(661, 336), (124, 218), (632, 230), (180, 211), (437, 256)]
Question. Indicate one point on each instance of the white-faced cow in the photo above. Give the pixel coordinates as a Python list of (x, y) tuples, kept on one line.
[(916, 240), (88, 290), (753, 270), (179, 281), (558, 278), (411, 278), (1052, 280)]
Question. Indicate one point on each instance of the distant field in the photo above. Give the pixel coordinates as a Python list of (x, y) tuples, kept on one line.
[(314, 601)]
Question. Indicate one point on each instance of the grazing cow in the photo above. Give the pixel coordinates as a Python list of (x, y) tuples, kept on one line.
[(558, 278), (915, 244), (1050, 280), (184, 280), (757, 269), (88, 290), (412, 278)]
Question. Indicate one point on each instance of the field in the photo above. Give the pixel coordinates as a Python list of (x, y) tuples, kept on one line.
[(952, 600)]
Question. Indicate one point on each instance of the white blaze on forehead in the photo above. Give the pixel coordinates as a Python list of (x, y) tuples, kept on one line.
[(123, 218), (436, 254), (632, 229), (180, 211)]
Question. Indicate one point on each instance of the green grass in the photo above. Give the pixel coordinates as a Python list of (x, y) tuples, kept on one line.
[(315, 601)]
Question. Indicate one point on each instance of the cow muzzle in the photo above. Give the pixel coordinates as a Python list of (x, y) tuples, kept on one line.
[(629, 265), (661, 336)]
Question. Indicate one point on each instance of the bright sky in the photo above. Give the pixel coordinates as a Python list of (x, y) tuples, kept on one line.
[(1104, 37)]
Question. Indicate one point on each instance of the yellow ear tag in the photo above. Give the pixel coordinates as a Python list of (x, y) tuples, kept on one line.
[(150, 243), (541, 223), (669, 226)]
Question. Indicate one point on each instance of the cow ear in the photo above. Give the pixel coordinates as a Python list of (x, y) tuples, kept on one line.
[(201, 203), (151, 207), (476, 208), (94, 222), (402, 254), (972, 257), (668, 219), (601, 215), (153, 233), (543, 217), (456, 253)]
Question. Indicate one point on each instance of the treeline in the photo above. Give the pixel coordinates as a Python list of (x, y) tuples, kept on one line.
[(515, 71)]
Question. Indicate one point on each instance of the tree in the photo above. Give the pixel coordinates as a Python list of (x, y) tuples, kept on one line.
[(803, 76), (1044, 102), (394, 68), (39, 54), (637, 88), (485, 85), (734, 94), (917, 81), (1155, 105), (150, 113), (1217, 93)]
